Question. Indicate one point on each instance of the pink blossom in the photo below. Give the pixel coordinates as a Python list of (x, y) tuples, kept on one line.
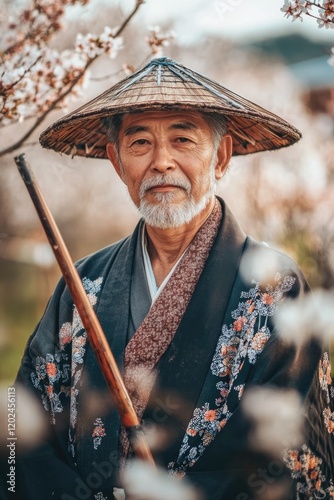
[(158, 40), (34, 77), (295, 8)]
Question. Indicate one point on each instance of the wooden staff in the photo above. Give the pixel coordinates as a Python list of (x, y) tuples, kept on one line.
[(88, 317)]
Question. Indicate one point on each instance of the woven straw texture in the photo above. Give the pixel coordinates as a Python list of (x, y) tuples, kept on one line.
[(163, 85)]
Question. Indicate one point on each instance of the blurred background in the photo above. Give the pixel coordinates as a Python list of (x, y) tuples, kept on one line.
[(285, 198)]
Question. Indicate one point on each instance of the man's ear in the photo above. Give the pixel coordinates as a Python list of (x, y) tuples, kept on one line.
[(114, 158), (224, 153)]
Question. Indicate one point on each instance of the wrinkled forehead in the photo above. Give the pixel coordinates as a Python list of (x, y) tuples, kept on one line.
[(170, 119)]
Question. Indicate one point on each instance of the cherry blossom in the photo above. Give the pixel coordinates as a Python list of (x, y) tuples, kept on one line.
[(297, 8), (91, 46), (35, 78), (157, 40)]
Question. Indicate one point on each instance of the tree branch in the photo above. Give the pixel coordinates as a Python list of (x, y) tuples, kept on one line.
[(40, 119), (130, 16), (12, 85), (63, 95)]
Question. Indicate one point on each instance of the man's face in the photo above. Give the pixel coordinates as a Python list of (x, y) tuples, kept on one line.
[(168, 161)]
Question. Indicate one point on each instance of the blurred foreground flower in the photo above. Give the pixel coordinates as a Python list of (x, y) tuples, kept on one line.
[(277, 417), (30, 420), (311, 316), (260, 265), (141, 381), (158, 40), (143, 482)]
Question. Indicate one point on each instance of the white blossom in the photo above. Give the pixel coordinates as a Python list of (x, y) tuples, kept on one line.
[(92, 46), (144, 482), (277, 418), (157, 40), (260, 265), (294, 9), (32, 424), (297, 8), (33, 77), (299, 320)]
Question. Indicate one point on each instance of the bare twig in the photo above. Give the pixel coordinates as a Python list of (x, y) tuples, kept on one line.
[(128, 19)]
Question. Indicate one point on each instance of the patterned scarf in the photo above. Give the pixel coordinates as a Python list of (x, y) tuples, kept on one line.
[(158, 328)]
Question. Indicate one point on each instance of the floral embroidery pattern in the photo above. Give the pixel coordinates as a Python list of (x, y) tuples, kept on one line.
[(325, 375), (49, 370), (100, 496), (329, 420), (248, 334), (53, 373), (306, 468), (240, 389), (65, 335), (243, 340), (326, 385), (78, 351), (98, 433)]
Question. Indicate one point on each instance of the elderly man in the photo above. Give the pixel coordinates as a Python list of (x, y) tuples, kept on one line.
[(191, 333)]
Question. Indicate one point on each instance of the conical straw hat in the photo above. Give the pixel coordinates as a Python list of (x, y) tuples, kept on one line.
[(163, 85)]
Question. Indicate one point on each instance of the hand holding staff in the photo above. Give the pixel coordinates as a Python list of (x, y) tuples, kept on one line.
[(87, 314)]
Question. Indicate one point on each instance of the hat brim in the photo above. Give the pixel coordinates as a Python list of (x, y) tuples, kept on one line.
[(165, 85)]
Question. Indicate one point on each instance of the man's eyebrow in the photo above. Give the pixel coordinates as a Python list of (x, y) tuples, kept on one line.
[(135, 129), (184, 126), (143, 128)]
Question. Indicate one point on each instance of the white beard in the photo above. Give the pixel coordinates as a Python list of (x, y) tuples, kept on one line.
[(166, 214)]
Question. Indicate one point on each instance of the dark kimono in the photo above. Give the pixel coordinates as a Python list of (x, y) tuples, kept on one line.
[(225, 345)]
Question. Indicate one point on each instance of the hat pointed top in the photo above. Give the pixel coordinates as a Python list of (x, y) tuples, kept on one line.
[(163, 84)]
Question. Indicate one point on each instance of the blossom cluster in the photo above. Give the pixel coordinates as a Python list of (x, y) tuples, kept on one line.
[(91, 46), (37, 24), (158, 40), (297, 8), (34, 77)]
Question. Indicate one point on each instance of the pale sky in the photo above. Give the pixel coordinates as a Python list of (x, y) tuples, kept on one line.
[(234, 19)]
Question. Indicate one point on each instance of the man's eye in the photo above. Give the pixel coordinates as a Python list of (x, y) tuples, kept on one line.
[(139, 142), (182, 139)]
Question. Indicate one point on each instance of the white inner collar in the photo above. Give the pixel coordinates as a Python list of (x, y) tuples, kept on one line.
[(154, 289)]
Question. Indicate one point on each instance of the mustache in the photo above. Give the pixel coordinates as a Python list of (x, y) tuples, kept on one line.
[(159, 180)]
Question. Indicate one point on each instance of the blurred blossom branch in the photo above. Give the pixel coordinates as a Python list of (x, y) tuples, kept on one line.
[(35, 79), (157, 40)]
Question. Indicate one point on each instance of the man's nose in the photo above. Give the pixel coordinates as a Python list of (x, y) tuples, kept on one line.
[(162, 159)]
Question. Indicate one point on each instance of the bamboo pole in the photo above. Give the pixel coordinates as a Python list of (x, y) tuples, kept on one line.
[(87, 314)]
